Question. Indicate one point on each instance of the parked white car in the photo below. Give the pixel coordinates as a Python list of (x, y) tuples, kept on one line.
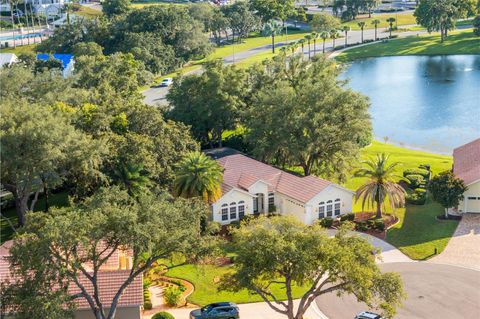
[(368, 315), (166, 82)]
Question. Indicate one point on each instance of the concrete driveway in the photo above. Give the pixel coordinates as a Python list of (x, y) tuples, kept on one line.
[(463, 249), (434, 292)]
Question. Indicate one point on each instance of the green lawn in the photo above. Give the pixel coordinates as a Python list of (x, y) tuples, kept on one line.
[(19, 49), (86, 11), (402, 19), (205, 278), (458, 42), (6, 232)]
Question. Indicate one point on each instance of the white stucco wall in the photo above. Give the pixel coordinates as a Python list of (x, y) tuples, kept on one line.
[(232, 196), (289, 207), (471, 205), (332, 192)]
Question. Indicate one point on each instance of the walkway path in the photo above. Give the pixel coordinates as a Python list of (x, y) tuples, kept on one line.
[(463, 249)]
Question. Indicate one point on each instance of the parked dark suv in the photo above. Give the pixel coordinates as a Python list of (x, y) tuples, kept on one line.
[(218, 310)]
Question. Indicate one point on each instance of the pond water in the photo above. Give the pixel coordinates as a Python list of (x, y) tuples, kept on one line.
[(429, 102)]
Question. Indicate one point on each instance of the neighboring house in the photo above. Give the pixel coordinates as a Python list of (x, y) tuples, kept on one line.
[(68, 63), (251, 187), (7, 59), (466, 165), (111, 275)]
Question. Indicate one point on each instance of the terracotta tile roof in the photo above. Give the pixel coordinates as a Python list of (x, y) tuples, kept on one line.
[(108, 282), (242, 171), (466, 162)]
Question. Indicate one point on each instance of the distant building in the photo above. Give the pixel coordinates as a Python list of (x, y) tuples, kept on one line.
[(67, 60), (7, 59), (466, 166)]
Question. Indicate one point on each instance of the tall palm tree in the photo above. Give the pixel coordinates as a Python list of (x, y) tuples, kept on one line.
[(133, 177), (361, 24), (324, 35), (346, 29), (13, 22), (334, 35), (309, 38), (376, 22), (314, 38), (199, 176), (26, 18), (293, 47), (301, 42), (390, 21), (381, 185), (272, 28)]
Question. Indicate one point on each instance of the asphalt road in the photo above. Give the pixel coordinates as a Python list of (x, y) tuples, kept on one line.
[(434, 291)]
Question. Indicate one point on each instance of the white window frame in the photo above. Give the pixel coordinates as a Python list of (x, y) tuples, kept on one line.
[(224, 212), (329, 208), (233, 211), (321, 210), (241, 209), (336, 211)]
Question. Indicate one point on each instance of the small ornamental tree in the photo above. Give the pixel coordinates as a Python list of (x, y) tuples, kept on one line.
[(447, 190), (284, 251)]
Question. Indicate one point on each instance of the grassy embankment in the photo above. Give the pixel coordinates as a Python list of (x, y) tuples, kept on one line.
[(458, 42)]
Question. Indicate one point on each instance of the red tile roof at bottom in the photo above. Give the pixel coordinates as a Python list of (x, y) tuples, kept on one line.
[(108, 283)]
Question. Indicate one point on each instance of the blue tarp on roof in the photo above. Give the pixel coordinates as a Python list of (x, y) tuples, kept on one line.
[(64, 58)]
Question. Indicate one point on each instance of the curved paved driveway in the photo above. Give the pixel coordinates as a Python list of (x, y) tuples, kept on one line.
[(434, 292), (463, 249)]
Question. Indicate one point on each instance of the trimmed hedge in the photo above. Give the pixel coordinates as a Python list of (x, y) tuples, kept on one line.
[(418, 197), (326, 222), (163, 315), (415, 181), (416, 171)]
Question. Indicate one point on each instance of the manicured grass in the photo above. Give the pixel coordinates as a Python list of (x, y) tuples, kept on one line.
[(6, 232), (418, 233), (206, 279), (86, 11), (19, 49), (458, 42), (402, 19)]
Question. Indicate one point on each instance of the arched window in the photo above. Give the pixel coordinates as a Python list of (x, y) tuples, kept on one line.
[(329, 208), (224, 212), (241, 209), (233, 211), (337, 206), (321, 210)]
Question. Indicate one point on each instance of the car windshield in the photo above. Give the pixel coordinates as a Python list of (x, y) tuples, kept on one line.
[(206, 308)]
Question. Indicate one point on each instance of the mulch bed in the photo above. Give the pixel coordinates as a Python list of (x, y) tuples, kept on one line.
[(389, 221)]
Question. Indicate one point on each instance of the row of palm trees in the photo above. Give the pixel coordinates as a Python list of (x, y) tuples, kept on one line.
[(199, 176), (324, 35)]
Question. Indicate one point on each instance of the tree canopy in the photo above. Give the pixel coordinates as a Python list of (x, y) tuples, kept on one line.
[(284, 250), (149, 228), (447, 190)]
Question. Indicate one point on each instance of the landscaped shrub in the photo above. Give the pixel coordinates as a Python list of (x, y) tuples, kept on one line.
[(418, 197), (415, 181), (379, 224), (172, 296), (361, 226), (326, 222), (416, 171), (349, 216), (147, 305), (163, 315)]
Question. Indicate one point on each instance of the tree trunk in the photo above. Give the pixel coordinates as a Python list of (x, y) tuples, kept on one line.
[(362, 35), (13, 24), (323, 46), (379, 209), (309, 50), (446, 213), (20, 208), (26, 18), (273, 42), (376, 33), (46, 193), (314, 46), (346, 38)]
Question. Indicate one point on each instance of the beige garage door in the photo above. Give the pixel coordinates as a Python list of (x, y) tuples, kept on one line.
[(473, 204)]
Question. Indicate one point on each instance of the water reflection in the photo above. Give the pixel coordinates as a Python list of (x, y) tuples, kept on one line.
[(429, 102)]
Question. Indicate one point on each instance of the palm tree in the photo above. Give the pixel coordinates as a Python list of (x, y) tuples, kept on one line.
[(324, 35), (346, 29), (199, 176), (132, 177), (376, 22), (390, 21), (13, 23), (361, 24), (301, 42), (381, 184), (334, 35), (314, 38), (293, 47), (26, 18), (272, 28), (309, 38)]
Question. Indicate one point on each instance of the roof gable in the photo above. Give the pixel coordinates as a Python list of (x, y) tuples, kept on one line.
[(466, 162)]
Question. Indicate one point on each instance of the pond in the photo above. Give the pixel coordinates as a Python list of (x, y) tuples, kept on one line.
[(428, 102)]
